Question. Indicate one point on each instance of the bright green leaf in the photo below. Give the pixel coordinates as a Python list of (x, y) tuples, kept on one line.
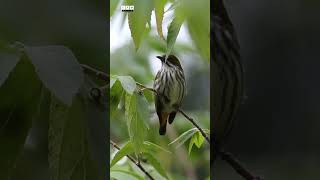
[(196, 139), (184, 137), (113, 6), (159, 11), (173, 31), (138, 19), (116, 94), (199, 140), (198, 21), (125, 150), (135, 122)]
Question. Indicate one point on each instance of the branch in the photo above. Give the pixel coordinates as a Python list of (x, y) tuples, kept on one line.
[(99, 74), (226, 156), (236, 165), (195, 124), (134, 161)]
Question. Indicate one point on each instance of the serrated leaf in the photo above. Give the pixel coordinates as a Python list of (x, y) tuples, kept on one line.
[(173, 31), (58, 69), (128, 83), (8, 60), (156, 164), (20, 96), (183, 137), (151, 147), (159, 12), (138, 19), (127, 149)]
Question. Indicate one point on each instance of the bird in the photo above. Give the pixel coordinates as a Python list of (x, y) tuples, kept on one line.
[(170, 88), (227, 82)]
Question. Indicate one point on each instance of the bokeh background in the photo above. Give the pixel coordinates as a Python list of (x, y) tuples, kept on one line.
[(143, 65), (277, 132)]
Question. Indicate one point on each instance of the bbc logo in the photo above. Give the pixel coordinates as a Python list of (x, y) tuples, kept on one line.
[(127, 8)]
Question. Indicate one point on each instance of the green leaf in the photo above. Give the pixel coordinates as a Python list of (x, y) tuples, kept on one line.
[(127, 175), (196, 139), (125, 150), (113, 6), (173, 31), (151, 147), (58, 69), (71, 149), (198, 21), (113, 79), (156, 164), (96, 128), (135, 122), (8, 60), (20, 96), (138, 19), (184, 137), (66, 136), (159, 11), (143, 109), (128, 83), (116, 94)]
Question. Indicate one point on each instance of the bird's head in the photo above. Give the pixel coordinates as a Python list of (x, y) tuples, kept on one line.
[(171, 61)]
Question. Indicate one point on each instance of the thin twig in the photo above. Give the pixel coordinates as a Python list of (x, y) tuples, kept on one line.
[(237, 166), (99, 74), (134, 161), (195, 124), (226, 156), (146, 88)]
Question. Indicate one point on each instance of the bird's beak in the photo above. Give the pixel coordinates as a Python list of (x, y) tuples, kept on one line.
[(159, 57)]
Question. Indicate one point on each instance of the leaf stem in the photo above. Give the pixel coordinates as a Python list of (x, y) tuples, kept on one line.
[(137, 163)]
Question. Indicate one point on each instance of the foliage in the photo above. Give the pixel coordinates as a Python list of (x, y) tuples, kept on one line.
[(47, 82)]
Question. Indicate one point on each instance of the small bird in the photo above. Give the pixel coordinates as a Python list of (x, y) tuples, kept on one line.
[(170, 85)]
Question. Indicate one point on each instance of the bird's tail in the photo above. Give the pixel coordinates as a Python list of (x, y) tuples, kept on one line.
[(163, 123)]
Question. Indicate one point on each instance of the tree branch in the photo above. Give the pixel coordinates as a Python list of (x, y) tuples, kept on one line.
[(134, 161), (99, 74), (226, 156)]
